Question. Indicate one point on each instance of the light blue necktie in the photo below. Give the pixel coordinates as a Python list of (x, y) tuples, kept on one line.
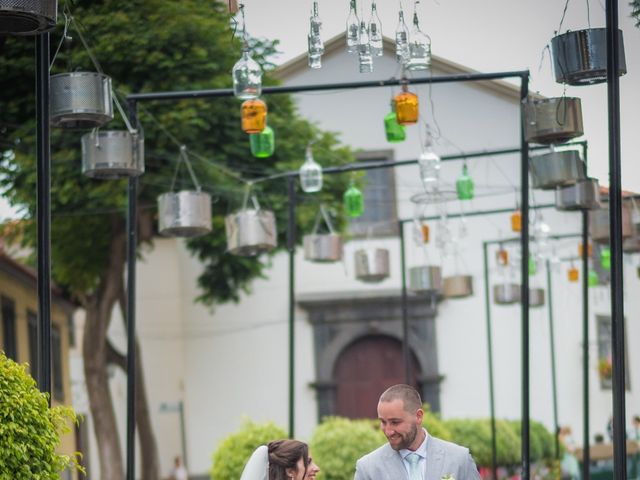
[(414, 466)]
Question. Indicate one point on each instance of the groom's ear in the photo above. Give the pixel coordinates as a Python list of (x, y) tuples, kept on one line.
[(420, 415)]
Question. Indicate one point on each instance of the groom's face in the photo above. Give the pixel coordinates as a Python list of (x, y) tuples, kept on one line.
[(399, 426)]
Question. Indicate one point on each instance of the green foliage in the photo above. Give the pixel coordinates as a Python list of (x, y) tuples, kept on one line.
[(337, 443), (475, 434), (234, 451), (635, 5), (29, 430), (434, 424), (156, 45)]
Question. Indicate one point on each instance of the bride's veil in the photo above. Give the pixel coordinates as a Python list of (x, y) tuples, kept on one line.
[(257, 467)]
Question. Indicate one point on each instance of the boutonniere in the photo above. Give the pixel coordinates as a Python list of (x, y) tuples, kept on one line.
[(448, 477)]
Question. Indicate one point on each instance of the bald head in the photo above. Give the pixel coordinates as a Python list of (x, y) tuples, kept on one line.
[(409, 396)]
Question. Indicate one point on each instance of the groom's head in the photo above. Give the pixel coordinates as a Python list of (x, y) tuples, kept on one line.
[(400, 414)]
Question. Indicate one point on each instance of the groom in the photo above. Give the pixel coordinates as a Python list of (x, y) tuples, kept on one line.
[(411, 452)]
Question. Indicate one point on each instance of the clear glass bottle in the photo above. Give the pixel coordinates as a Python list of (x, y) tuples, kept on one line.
[(310, 173), (375, 31), (262, 144), (429, 163), (402, 40), (315, 43), (353, 28), (419, 47), (254, 115), (365, 59), (407, 107), (247, 77)]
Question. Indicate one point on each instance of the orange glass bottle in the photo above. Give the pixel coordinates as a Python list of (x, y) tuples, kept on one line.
[(516, 221), (254, 115), (502, 256), (573, 274), (406, 107), (589, 250), (424, 228)]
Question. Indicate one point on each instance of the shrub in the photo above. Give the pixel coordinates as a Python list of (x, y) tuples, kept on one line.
[(29, 429), (475, 434), (234, 451), (337, 443), (434, 424)]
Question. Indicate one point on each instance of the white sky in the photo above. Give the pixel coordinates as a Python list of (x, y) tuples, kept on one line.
[(488, 36)]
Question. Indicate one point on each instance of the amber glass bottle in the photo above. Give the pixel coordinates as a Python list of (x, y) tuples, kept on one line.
[(254, 115), (406, 107)]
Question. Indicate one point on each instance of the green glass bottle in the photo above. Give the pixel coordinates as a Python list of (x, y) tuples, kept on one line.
[(394, 131), (593, 279), (263, 144), (464, 185), (605, 258), (533, 266), (353, 201)]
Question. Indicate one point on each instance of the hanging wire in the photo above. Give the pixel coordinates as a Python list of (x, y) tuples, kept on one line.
[(65, 37), (184, 157), (564, 12)]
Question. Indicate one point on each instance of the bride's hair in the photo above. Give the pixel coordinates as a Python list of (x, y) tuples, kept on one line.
[(285, 454)]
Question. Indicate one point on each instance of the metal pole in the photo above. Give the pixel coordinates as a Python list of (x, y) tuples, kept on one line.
[(291, 246), (524, 295), (615, 215), (43, 213), (183, 434), (492, 405), (552, 349), (131, 313), (586, 455), (406, 351)]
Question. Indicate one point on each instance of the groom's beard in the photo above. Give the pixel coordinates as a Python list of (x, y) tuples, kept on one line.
[(407, 439)]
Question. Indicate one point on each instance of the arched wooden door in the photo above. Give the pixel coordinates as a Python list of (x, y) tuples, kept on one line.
[(364, 370)]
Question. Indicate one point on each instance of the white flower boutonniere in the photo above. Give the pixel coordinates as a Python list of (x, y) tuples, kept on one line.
[(448, 477)]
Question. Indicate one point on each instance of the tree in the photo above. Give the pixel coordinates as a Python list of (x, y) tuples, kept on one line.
[(635, 4), (150, 45)]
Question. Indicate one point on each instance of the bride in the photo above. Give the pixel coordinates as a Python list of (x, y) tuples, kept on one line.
[(280, 460)]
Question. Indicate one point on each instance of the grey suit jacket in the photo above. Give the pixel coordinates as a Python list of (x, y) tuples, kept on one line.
[(443, 458)]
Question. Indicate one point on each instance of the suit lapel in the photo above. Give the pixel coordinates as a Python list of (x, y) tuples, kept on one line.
[(435, 460), (395, 465)]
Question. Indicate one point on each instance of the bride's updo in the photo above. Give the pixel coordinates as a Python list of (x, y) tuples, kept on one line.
[(284, 454)]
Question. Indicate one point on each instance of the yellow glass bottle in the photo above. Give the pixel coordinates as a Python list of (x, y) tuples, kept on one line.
[(516, 221), (573, 274), (406, 107), (254, 115)]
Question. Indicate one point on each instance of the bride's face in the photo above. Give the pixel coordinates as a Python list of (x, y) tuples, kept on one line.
[(312, 470)]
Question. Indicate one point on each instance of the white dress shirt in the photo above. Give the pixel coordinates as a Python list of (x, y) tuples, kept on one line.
[(422, 453)]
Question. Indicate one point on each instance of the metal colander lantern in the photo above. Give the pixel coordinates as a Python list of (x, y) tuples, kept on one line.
[(553, 120), (427, 278), (112, 154), (251, 231), (556, 169), (457, 286), (536, 297), (580, 57), (81, 100), (322, 247), (372, 264), (184, 214), (583, 195), (599, 223), (506, 293), (27, 17)]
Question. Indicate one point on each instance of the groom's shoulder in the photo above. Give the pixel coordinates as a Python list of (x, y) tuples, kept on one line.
[(449, 447), (376, 454)]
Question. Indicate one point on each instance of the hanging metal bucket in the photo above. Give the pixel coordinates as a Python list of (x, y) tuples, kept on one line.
[(580, 57), (425, 279), (536, 297), (506, 293), (27, 17), (372, 265), (251, 232), (111, 154), (556, 169), (599, 223), (553, 120), (457, 286), (631, 244), (583, 195), (81, 100), (322, 247), (184, 214)]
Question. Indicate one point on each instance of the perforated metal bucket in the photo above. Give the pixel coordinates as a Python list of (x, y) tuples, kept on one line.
[(553, 120), (184, 214), (556, 169), (250, 232), (27, 17), (457, 286), (324, 247), (81, 100), (506, 293), (111, 154), (580, 57), (425, 279), (583, 195), (536, 297), (599, 223), (372, 265)]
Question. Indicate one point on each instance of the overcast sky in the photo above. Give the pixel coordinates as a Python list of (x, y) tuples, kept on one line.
[(488, 36)]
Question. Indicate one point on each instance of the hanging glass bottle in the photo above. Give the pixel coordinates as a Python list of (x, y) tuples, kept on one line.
[(593, 279), (353, 201), (365, 59), (419, 47), (393, 130), (254, 115), (533, 265), (402, 40), (573, 274), (406, 106), (375, 31), (429, 163), (516, 221), (589, 250), (464, 185), (353, 28), (247, 77), (262, 144), (310, 173), (605, 258), (502, 256), (315, 43), (424, 229)]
